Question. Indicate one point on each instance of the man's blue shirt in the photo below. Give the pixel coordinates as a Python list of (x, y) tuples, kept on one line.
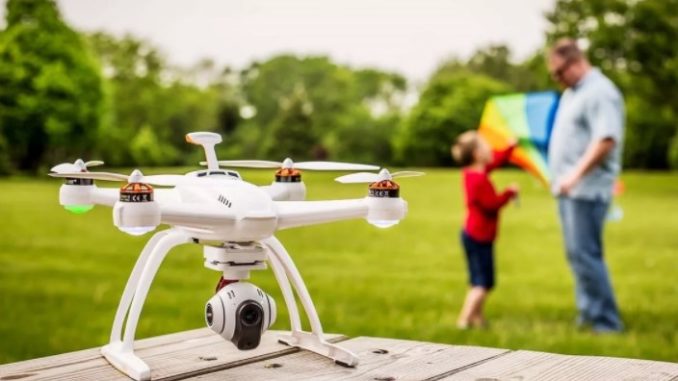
[(592, 110)]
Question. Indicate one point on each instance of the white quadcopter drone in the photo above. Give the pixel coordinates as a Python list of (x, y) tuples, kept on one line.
[(235, 222)]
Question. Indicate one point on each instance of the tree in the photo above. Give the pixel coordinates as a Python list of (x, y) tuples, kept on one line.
[(51, 95), (292, 133), (493, 61), (339, 107), (673, 151), (634, 42), (133, 71), (154, 105), (496, 61), (652, 69), (451, 103), (5, 165), (376, 115), (328, 89)]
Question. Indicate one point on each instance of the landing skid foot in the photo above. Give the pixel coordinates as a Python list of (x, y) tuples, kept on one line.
[(126, 361), (316, 344)]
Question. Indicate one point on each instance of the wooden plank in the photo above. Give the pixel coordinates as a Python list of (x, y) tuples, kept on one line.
[(170, 357), (380, 359), (199, 354), (528, 365), (93, 353)]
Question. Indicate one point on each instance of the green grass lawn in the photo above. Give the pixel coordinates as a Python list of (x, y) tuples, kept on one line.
[(61, 274)]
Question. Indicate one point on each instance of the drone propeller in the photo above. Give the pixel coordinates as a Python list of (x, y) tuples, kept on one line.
[(367, 177), (77, 166), (135, 177), (305, 165)]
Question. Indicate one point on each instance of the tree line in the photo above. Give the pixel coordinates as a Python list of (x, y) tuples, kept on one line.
[(66, 94)]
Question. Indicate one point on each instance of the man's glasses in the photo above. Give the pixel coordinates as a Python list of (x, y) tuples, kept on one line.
[(559, 72)]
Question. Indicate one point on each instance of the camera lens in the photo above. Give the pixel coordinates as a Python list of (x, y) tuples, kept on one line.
[(250, 314), (209, 314)]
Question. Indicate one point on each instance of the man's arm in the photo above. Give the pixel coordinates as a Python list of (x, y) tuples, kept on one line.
[(605, 116), (594, 154)]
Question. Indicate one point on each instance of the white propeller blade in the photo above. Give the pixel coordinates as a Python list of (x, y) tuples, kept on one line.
[(305, 165), (93, 163), (65, 167), (407, 174), (248, 163), (108, 176), (160, 180), (77, 166), (360, 177), (334, 166), (367, 177), (168, 180)]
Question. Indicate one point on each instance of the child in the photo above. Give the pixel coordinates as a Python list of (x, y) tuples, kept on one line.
[(480, 229)]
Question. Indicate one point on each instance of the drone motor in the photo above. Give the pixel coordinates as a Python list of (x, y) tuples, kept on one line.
[(136, 212), (76, 193), (384, 189), (386, 208)]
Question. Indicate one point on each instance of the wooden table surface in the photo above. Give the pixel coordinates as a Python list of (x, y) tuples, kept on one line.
[(202, 355)]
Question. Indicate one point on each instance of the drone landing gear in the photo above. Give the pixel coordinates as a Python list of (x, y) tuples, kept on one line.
[(313, 341), (120, 350), (316, 344)]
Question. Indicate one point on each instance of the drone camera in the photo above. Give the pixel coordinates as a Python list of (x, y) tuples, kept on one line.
[(240, 312)]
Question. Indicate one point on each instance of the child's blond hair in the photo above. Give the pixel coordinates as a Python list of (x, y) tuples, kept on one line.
[(463, 150)]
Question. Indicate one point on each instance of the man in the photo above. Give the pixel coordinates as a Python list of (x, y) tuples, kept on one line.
[(585, 159)]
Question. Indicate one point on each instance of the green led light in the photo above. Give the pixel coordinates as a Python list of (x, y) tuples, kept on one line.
[(78, 209)]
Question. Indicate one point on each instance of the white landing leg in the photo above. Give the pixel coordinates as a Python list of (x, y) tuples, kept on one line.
[(314, 341), (288, 295), (120, 350)]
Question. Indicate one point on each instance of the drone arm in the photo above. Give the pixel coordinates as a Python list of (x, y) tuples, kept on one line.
[(277, 193), (302, 213), (194, 215), (108, 196), (105, 196)]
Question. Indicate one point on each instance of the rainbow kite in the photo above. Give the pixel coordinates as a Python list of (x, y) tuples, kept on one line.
[(527, 118)]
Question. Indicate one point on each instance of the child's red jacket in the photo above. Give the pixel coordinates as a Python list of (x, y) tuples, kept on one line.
[(482, 201)]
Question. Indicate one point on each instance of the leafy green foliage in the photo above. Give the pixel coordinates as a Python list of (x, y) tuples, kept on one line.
[(51, 93), (54, 105), (448, 106), (673, 152), (313, 108), (5, 165), (154, 107), (495, 61), (634, 42), (291, 132)]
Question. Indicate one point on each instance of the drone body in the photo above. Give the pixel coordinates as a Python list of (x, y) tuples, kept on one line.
[(235, 222)]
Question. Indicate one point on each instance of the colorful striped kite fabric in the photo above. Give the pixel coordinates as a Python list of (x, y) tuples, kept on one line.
[(526, 117)]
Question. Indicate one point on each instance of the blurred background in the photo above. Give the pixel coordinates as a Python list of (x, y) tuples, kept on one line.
[(383, 82), (378, 81)]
